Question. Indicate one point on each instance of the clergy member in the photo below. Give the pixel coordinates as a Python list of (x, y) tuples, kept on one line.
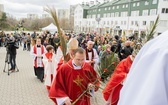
[(112, 89), (73, 78), (91, 55), (37, 51), (147, 81), (49, 66)]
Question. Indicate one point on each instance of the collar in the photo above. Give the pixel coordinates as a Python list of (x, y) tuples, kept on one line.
[(75, 66)]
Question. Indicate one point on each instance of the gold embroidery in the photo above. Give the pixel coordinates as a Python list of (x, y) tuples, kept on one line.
[(78, 81)]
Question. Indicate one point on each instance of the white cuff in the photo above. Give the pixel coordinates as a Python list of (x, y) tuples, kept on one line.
[(60, 101)]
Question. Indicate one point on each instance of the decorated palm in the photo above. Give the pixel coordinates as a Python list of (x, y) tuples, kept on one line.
[(107, 66)]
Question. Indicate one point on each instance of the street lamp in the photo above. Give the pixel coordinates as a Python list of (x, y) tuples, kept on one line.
[(98, 21)]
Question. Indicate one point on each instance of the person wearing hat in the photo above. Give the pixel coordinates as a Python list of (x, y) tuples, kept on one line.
[(72, 45)]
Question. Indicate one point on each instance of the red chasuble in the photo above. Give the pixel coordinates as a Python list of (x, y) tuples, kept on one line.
[(114, 86), (71, 83)]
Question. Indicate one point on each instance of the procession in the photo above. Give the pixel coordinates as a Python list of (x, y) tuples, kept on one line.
[(60, 65)]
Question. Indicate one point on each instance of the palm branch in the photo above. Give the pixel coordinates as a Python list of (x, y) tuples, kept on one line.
[(107, 66), (63, 43), (152, 30)]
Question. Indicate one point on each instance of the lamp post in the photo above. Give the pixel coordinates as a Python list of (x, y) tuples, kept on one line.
[(98, 21)]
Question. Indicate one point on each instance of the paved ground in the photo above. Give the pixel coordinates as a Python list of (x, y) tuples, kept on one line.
[(23, 88)]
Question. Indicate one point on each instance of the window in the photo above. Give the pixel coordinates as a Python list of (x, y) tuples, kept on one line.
[(151, 23), (164, 10), (99, 9), (117, 7), (124, 14), (146, 3), (132, 23), (136, 23), (134, 4), (125, 22), (112, 14), (144, 23), (121, 22), (145, 13), (138, 4), (135, 13), (116, 14), (123, 6), (109, 8), (108, 22), (154, 2), (126, 5), (113, 7), (153, 12)]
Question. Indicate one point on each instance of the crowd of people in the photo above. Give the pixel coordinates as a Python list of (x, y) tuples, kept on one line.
[(74, 80)]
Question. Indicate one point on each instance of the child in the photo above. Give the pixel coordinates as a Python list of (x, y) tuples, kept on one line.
[(49, 65)]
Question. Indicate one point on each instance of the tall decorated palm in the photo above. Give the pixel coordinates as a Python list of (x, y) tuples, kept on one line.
[(61, 35)]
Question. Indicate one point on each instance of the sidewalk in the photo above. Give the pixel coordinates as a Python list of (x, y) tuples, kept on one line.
[(23, 88)]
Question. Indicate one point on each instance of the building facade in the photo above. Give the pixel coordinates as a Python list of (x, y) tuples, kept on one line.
[(45, 16), (63, 13), (124, 16), (32, 16), (71, 16)]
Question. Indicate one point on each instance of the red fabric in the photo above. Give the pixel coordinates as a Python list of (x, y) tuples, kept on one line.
[(114, 85), (49, 55), (35, 52), (64, 84)]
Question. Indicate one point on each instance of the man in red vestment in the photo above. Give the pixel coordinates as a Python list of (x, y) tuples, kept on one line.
[(112, 90), (72, 79)]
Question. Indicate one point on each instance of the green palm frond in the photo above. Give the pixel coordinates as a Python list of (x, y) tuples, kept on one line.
[(107, 66), (152, 30), (63, 43)]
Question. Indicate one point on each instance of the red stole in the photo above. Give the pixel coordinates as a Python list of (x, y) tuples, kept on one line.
[(49, 55), (114, 85), (68, 80), (35, 52), (87, 56)]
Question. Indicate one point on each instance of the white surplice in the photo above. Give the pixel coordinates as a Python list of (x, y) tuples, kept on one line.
[(49, 68), (147, 81)]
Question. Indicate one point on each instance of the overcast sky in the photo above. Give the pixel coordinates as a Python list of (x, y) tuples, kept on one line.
[(20, 8)]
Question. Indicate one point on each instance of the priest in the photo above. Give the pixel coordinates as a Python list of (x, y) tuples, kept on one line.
[(147, 82), (74, 78), (112, 89), (37, 52)]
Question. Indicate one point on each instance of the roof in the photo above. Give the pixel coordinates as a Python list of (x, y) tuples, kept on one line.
[(109, 3), (85, 6), (124, 1)]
